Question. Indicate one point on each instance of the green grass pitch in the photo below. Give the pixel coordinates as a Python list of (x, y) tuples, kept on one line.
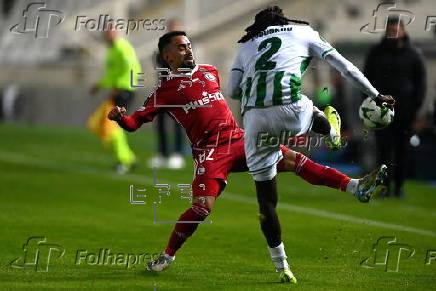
[(56, 182)]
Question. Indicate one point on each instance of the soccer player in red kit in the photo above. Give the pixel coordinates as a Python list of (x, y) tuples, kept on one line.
[(195, 101)]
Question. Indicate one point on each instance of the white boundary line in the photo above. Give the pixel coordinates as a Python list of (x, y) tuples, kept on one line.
[(20, 159)]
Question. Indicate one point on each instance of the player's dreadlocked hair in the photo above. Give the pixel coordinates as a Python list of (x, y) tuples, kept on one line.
[(164, 40), (272, 15)]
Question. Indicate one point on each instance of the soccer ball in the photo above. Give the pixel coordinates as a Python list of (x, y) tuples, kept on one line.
[(374, 116)]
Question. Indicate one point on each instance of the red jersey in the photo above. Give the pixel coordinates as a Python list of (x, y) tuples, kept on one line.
[(196, 103)]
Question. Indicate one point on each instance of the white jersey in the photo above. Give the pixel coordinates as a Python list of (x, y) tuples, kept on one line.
[(274, 62)]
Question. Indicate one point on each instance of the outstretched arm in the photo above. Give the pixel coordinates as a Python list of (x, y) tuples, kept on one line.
[(144, 114), (351, 73), (129, 123), (356, 77), (320, 48)]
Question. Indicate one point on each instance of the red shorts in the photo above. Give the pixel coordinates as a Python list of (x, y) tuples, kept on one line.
[(213, 165)]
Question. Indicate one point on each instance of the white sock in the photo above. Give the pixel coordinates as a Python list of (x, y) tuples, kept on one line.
[(172, 258), (279, 257), (352, 186), (333, 133)]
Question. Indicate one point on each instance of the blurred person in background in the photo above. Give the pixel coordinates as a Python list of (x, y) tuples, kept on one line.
[(121, 61), (397, 68), (167, 157)]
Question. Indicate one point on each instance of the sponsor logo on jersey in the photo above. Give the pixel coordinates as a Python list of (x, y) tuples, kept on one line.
[(204, 101)]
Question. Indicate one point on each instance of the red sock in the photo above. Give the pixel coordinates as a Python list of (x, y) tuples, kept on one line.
[(182, 231), (317, 174)]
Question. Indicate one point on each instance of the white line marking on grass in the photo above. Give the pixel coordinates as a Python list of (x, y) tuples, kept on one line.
[(337, 216), (20, 159)]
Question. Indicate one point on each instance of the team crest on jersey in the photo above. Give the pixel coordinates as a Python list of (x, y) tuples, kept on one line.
[(209, 77), (201, 171)]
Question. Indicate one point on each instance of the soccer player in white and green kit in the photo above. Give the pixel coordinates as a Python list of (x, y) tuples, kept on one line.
[(266, 78)]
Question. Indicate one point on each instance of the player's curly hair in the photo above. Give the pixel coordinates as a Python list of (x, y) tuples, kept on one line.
[(272, 15)]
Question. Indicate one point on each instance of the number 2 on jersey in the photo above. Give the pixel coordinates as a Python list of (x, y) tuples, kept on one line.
[(263, 63)]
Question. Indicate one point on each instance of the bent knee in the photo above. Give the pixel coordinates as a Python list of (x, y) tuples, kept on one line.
[(206, 202)]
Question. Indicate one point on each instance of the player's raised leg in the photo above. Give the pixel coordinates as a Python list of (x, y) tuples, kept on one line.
[(370, 182), (317, 174)]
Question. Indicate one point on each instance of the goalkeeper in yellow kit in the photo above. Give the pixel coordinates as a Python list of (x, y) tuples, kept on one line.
[(121, 64)]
